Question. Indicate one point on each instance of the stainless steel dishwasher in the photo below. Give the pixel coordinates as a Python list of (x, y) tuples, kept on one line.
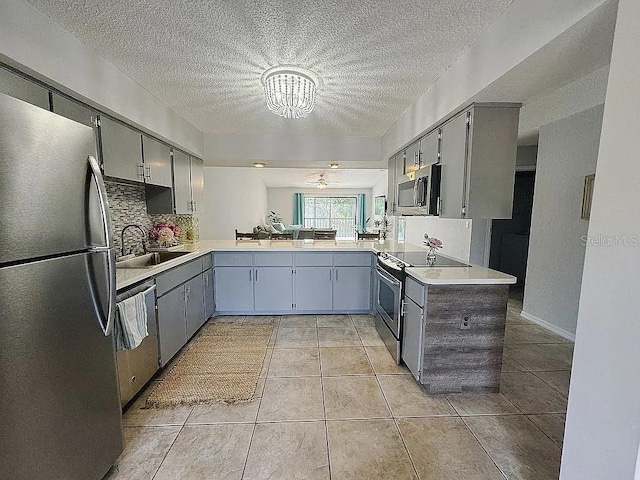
[(136, 367)]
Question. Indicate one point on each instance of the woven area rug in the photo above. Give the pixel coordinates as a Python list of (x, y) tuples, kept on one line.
[(222, 365)]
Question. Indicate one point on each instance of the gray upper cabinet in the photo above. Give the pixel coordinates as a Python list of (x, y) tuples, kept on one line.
[(181, 182), (188, 183), (478, 162), (121, 151), (412, 158), (23, 89), (430, 148), (157, 162), (391, 186), (454, 153), (73, 110), (197, 184)]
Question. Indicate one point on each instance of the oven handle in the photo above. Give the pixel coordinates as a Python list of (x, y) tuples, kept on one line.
[(387, 277)]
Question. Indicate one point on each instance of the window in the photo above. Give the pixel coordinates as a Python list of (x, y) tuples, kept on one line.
[(337, 213)]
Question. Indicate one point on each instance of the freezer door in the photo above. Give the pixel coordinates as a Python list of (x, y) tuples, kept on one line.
[(59, 398), (48, 191)]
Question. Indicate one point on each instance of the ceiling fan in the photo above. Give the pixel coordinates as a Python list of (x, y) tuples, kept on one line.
[(321, 182)]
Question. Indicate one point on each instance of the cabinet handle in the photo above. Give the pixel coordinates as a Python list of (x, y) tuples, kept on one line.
[(141, 171), (256, 275), (337, 274), (330, 274), (148, 175), (250, 275)]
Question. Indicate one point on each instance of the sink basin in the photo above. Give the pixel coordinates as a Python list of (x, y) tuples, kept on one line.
[(149, 260)]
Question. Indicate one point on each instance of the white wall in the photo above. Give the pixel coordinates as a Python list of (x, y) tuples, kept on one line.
[(455, 234), (234, 198), (281, 199), (293, 150), (603, 418), (38, 46), (567, 151), (380, 188)]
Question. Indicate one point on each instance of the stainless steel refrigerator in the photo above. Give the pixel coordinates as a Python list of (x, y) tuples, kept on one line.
[(59, 406)]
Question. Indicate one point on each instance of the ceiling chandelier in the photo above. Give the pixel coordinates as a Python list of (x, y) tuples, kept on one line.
[(290, 91)]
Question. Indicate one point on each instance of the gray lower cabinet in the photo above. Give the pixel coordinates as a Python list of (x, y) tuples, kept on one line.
[(171, 324), (23, 89), (209, 302), (273, 289), (412, 337), (234, 289), (352, 288), (194, 298), (313, 288), (121, 151)]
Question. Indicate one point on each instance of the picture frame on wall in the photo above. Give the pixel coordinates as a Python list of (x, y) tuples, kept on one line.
[(587, 196), (380, 205)]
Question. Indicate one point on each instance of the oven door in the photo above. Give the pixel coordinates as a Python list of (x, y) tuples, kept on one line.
[(389, 300)]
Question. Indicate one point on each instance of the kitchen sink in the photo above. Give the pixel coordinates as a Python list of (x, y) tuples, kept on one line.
[(149, 260)]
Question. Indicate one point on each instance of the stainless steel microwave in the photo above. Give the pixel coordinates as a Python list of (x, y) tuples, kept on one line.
[(421, 195)]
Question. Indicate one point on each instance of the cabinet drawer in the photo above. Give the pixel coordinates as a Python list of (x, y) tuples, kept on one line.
[(171, 279), (352, 259), (233, 259), (207, 262), (274, 259), (415, 291), (314, 259)]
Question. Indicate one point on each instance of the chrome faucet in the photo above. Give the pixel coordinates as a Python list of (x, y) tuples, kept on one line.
[(144, 235)]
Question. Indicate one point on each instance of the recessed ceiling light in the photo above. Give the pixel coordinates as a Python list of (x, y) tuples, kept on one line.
[(334, 165), (259, 164)]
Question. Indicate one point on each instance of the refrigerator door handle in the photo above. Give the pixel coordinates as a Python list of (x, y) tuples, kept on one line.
[(111, 262)]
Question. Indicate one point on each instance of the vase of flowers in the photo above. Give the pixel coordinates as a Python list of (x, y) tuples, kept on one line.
[(433, 244), (164, 234), (383, 226)]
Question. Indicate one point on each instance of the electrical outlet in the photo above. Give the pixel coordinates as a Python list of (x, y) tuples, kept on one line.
[(465, 324)]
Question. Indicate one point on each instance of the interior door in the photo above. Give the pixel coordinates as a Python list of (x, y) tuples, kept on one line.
[(61, 414), (48, 195)]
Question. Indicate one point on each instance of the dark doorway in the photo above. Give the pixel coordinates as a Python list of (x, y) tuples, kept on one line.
[(510, 238)]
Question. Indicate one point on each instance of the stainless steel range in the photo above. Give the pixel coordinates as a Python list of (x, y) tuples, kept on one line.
[(389, 292)]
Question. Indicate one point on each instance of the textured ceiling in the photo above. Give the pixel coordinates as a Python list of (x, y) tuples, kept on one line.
[(307, 178), (204, 58)]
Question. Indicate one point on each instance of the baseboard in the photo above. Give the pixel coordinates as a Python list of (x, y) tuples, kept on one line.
[(549, 326)]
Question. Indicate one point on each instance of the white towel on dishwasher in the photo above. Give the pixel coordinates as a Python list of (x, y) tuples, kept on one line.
[(131, 322)]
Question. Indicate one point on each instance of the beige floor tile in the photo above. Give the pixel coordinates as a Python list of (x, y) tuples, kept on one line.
[(533, 357), (139, 416), (552, 424), (561, 352), (531, 334), (307, 321), (363, 321), (295, 337), (481, 404), (509, 365), (344, 361), (297, 398), (383, 362), (207, 451), (224, 413), (266, 362), (370, 337), (435, 445), (408, 399), (558, 380), (288, 451), (354, 397), (367, 449), (144, 450), (517, 446), (530, 394), (294, 362), (336, 321), (338, 337)]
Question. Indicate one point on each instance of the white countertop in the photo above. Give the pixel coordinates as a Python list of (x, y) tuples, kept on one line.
[(426, 275)]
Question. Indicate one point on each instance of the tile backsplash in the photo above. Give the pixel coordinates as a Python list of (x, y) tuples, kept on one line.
[(127, 204)]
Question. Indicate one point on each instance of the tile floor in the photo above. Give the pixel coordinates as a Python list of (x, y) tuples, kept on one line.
[(333, 404)]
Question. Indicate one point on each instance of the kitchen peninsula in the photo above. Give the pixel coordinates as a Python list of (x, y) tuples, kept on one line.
[(450, 320)]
